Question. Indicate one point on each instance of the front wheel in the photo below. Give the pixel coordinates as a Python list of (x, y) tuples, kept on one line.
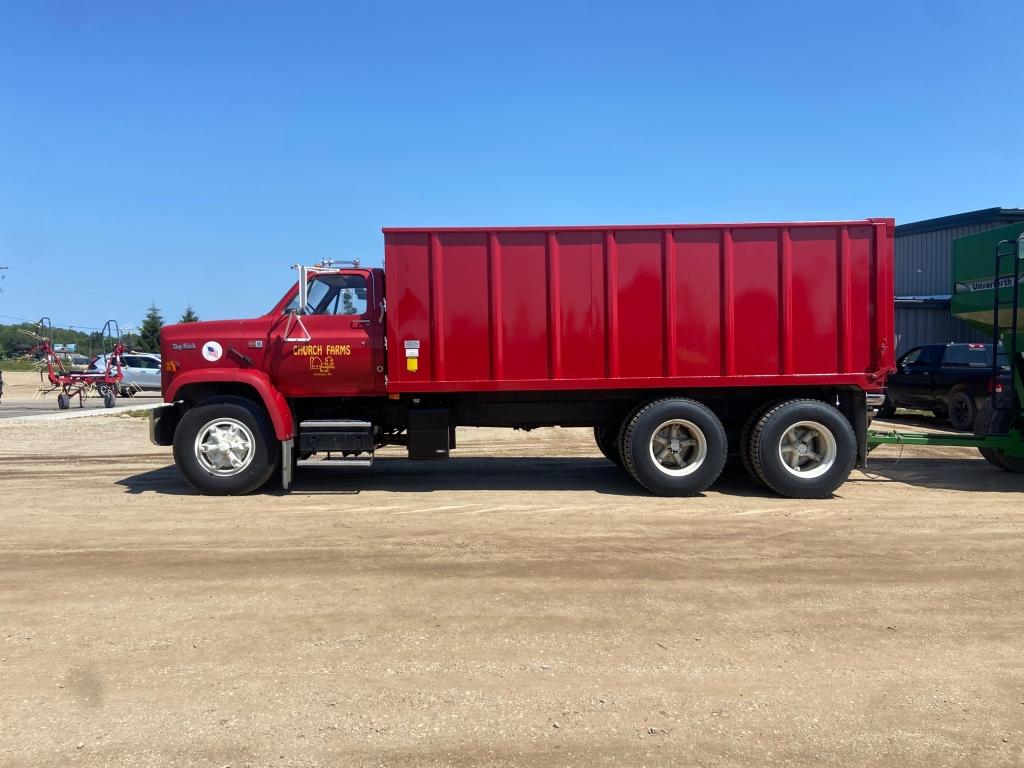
[(674, 447), (803, 449), (63, 401), (225, 449), (109, 401)]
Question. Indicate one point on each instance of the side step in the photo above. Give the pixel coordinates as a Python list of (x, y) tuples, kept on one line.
[(323, 437), (335, 435), (335, 461)]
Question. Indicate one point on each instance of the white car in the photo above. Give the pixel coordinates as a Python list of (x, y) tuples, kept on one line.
[(139, 370)]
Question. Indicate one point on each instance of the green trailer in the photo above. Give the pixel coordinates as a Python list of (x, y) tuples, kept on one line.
[(988, 269)]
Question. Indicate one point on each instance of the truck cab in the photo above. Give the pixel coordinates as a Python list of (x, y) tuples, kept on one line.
[(335, 346)]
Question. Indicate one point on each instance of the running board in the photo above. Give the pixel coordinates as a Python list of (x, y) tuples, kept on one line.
[(335, 435), (336, 461)]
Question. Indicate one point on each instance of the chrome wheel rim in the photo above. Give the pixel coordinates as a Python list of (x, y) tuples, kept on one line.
[(808, 449), (678, 447), (224, 447)]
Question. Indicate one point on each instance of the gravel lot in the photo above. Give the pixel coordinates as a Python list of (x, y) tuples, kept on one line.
[(523, 604)]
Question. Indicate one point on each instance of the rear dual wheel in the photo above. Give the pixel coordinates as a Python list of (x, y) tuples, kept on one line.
[(674, 447), (607, 438), (804, 449)]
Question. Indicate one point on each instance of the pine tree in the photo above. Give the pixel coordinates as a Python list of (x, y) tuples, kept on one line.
[(190, 316), (149, 333)]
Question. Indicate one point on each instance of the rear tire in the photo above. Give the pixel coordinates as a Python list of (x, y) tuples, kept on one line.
[(803, 449), (674, 447), (745, 442), (962, 411), (210, 439), (607, 438), (998, 421)]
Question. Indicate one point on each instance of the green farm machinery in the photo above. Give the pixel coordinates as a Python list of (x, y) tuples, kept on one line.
[(987, 272)]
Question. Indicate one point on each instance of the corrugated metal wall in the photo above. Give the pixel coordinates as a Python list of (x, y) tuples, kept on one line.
[(923, 268), (916, 325)]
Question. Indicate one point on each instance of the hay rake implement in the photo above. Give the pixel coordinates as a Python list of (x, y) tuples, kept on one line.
[(81, 384)]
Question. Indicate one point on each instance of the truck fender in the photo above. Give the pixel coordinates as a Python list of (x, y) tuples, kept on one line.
[(275, 403)]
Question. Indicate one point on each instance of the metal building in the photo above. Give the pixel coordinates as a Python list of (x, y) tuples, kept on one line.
[(924, 251)]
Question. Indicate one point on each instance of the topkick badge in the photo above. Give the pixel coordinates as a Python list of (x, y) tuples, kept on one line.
[(212, 351)]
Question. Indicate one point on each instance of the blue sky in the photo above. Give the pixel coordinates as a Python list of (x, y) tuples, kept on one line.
[(183, 152)]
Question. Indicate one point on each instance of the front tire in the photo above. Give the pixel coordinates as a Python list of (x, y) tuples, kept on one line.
[(674, 447), (803, 449), (109, 401), (225, 449)]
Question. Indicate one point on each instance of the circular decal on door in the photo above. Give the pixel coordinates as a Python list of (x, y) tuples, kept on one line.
[(212, 351)]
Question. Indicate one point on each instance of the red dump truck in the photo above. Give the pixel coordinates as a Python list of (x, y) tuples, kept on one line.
[(681, 346)]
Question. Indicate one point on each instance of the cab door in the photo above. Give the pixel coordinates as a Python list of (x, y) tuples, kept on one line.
[(336, 346), (916, 377)]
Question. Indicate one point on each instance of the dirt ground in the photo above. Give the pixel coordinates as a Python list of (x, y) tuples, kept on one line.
[(521, 605)]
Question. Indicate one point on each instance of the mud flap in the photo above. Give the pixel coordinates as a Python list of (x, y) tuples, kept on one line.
[(287, 465)]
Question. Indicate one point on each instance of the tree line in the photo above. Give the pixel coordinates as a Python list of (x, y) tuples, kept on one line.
[(13, 341)]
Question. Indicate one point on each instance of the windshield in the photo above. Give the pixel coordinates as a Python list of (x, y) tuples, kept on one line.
[(334, 295)]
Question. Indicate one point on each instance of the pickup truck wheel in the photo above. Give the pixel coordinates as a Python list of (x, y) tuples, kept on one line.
[(962, 410), (674, 447), (888, 409), (997, 421), (803, 449), (225, 448), (607, 438)]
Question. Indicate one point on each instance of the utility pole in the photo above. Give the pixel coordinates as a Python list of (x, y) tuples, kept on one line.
[(2, 279)]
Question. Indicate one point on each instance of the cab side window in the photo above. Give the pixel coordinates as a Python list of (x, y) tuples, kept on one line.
[(334, 295), (912, 356)]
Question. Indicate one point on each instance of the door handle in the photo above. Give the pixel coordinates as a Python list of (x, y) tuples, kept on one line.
[(360, 323)]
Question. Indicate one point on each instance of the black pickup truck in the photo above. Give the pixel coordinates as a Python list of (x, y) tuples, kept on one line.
[(950, 380)]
